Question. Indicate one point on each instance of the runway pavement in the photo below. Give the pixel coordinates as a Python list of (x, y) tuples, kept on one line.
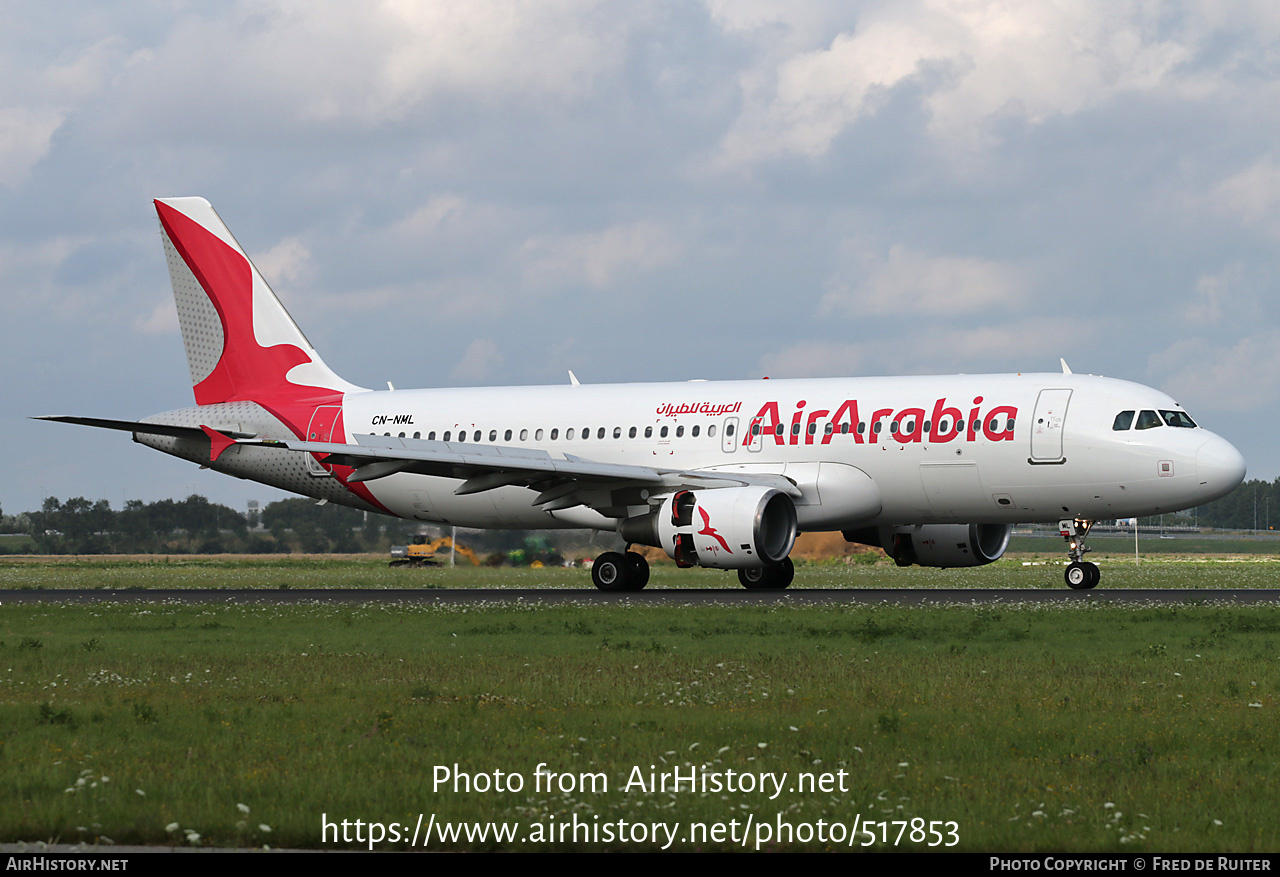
[(666, 597)]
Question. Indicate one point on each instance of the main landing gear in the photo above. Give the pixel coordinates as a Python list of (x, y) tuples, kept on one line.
[(1080, 574), (614, 571), (768, 578)]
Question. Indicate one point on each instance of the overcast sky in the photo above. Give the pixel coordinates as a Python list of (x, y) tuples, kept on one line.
[(491, 193)]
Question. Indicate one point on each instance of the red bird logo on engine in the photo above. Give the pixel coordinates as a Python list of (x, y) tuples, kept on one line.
[(708, 530)]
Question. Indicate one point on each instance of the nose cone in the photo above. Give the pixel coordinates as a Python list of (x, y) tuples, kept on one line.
[(1220, 468)]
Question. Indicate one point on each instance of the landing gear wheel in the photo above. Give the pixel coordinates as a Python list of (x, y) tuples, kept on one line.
[(768, 578), (610, 572), (1082, 575), (637, 571)]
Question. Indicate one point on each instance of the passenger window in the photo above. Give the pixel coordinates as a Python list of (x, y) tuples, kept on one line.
[(524, 435), (506, 436), (537, 436), (893, 427), (431, 436), (755, 429), (844, 428), (1149, 420), (447, 433), (417, 435), (680, 431), (568, 434), (631, 433), (942, 426), (728, 430), (1124, 420), (862, 427), (600, 433), (695, 432), (711, 431), (813, 429), (493, 435), (648, 432), (780, 429), (663, 432), (876, 428), (586, 433), (795, 429), (555, 434), (401, 435)]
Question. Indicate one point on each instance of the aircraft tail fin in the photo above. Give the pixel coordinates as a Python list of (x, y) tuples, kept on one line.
[(241, 343)]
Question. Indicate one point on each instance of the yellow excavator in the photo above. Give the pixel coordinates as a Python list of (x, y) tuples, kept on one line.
[(422, 552)]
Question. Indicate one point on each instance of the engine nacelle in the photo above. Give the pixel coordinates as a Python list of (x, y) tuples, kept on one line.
[(724, 528), (940, 545)]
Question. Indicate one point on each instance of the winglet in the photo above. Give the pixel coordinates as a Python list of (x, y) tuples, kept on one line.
[(1066, 369), (573, 379), (217, 442)]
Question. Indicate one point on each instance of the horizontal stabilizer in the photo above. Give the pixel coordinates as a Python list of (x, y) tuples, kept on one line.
[(141, 427)]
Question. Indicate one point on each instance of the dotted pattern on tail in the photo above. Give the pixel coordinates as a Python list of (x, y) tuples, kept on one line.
[(201, 326)]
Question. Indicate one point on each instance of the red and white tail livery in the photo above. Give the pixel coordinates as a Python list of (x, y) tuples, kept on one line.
[(724, 474)]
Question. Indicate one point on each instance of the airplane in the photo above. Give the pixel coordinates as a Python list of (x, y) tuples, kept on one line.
[(720, 474)]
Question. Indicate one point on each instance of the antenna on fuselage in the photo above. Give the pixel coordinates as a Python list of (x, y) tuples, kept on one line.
[(1066, 369), (573, 379)]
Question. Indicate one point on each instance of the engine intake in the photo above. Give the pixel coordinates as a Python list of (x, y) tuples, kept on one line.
[(725, 528)]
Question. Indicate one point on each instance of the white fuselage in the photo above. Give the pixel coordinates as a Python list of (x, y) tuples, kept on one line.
[(1059, 458)]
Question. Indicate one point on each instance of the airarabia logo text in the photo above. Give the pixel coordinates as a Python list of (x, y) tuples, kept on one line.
[(904, 425)]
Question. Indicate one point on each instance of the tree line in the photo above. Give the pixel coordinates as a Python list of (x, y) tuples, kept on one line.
[(1253, 505), (197, 526)]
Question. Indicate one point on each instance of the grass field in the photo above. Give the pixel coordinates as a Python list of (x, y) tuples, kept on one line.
[(1106, 728)]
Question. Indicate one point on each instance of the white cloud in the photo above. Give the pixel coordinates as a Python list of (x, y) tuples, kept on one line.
[(986, 59), (916, 285), (1251, 196), (329, 62), (161, 321), (1229, 293), (481, 359), (26, 136), (425, 220), (286, 262), (1244, 376), (598, 259)]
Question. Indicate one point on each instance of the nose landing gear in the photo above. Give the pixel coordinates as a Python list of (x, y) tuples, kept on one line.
[(1080, 574)]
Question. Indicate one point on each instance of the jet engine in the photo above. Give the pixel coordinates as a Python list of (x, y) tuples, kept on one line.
[(725, 528), (940, 545)]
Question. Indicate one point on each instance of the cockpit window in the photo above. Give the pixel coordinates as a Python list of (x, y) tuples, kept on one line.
[(1124, 420), (1149, 420), (1178, 418)]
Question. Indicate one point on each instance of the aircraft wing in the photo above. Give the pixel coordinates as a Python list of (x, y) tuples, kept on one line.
[(563, 481)]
